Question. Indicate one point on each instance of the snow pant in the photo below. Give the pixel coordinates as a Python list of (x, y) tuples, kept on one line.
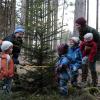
[(7, 85), (15, 58), (92, 67), (16, 76), (74, 76), (63, 80)]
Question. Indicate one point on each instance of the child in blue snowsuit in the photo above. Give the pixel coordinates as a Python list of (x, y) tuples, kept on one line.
[(75, 56), (62, 69)]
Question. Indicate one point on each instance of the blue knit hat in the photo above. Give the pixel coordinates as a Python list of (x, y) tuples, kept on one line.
[(17, 30), (19, 26)]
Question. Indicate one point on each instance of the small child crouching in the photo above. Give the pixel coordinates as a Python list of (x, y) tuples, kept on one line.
[(89, 53), (61, 69), (7, 66), (75, 55)]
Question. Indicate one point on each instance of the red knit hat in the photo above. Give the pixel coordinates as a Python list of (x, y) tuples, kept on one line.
[(62, 48), (81, 21)]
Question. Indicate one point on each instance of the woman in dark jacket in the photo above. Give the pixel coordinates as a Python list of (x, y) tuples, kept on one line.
[(83, 29)]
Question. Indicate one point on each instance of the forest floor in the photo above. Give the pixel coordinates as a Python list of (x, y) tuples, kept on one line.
[(24, 70), (26, 95), (86, 96), (98, 66)]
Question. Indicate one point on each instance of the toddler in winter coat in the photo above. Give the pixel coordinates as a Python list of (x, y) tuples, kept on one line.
[(89, 51), (17, 39), (61, 69), (88, 47), (75, 55), (7, 65)]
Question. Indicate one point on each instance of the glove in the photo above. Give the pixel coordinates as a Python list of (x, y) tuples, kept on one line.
[(85, 60), (74, 68)]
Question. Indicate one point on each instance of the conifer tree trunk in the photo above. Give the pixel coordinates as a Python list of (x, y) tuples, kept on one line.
[(26, 27), (31, 23), (7, 16), (23, 12), (97, 14), (87, 11), (80, 11), (12, 22), (55, 22), (49, 20)]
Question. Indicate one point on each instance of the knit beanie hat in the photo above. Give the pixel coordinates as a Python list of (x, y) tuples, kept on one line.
[(19, 26), (17, 30), (62, 48), (75, 39), (6, 45), (81, 21), (88, 37)]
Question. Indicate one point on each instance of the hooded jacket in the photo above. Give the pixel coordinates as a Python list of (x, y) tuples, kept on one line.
[(75, 56), (7, 66), (89, 49), (17, 44), (87, 29)]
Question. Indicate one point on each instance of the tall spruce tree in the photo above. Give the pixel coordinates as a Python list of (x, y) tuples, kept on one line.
[(40, 29)]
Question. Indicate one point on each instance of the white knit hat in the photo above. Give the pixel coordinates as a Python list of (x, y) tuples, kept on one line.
[(88, 37), (6, 45), (75, 39)]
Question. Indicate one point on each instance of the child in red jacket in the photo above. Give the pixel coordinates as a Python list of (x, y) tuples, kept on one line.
[(89, 51), (7, 65)]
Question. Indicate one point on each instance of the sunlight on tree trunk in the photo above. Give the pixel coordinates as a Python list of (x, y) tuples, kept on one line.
[(80, 11)]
